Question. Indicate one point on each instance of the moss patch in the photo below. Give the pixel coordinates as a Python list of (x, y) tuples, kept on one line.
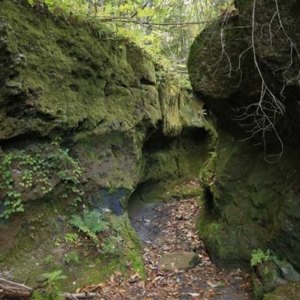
[(252, 200), (100, 96), (285, 292)]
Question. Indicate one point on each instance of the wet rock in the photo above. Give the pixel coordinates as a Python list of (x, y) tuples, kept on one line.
[(269, 274), (178, 261), (289, 291), (288, 272)]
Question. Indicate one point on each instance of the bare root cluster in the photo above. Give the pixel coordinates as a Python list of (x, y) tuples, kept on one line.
[(261, 117)]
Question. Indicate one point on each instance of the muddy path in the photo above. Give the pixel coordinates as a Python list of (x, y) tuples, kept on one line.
[(166, 228)]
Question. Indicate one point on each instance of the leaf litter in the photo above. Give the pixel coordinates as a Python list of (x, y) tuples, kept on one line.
[(170, 227)]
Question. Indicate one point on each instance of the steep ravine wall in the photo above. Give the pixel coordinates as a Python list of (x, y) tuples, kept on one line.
[(84, 122), (243, 73)]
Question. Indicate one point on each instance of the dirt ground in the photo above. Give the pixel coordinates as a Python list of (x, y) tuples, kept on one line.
[(170, 228)]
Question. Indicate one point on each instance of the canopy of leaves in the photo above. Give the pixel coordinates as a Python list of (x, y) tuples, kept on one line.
[(165, 27)]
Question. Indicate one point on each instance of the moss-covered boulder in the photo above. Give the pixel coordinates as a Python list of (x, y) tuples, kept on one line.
[(270, 275), (285, 292), (245, 67), (250, 203), (83, 123)]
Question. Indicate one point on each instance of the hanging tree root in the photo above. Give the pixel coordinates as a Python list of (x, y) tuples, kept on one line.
[(14, 290)]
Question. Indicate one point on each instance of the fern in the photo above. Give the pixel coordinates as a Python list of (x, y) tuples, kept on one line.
[(258, 256), (53, 289), (94, 221), (90, 223), (54, 276)]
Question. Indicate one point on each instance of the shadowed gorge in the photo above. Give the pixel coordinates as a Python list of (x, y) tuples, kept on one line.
[(118, 183)]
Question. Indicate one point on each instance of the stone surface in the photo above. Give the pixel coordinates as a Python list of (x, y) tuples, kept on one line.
[(269, 274), (178, 261), (288, 272), (290, 291), (272, 278), (97, 97), (251, 187), (250, 204), (224, 74)]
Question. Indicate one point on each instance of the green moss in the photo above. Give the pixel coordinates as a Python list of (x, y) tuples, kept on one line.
[(100, 90), (44, 237), (132, 253), (252, 201), (289, 291), (26, 250), (65, 89), (257, 286), (105, 103), (141, 65)]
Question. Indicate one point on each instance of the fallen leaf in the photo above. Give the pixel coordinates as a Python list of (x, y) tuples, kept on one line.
[(194, 294)]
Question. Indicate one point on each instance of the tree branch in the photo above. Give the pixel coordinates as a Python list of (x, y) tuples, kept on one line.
[(134, 21), (14, 289)]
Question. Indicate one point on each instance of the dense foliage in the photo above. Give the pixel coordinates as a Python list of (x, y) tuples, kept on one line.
[(164, 26)]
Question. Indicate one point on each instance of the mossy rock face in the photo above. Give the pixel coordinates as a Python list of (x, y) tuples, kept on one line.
[(288, 291), (269, 273), (250, 203), (96, 105), (224, 73), (42, 241), (258, 290), (270, 276), (99, 96)]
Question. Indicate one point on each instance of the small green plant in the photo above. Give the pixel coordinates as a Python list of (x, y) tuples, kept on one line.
[(258, 256), (13, 204), (112, 191), (49, 259), (32, 169), (91, 223), (71, 257), (53, 288), (71, 238), (113, 245), (57, 241), (54, 276)]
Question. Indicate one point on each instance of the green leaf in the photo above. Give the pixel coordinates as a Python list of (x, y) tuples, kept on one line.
[(54, 276)]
